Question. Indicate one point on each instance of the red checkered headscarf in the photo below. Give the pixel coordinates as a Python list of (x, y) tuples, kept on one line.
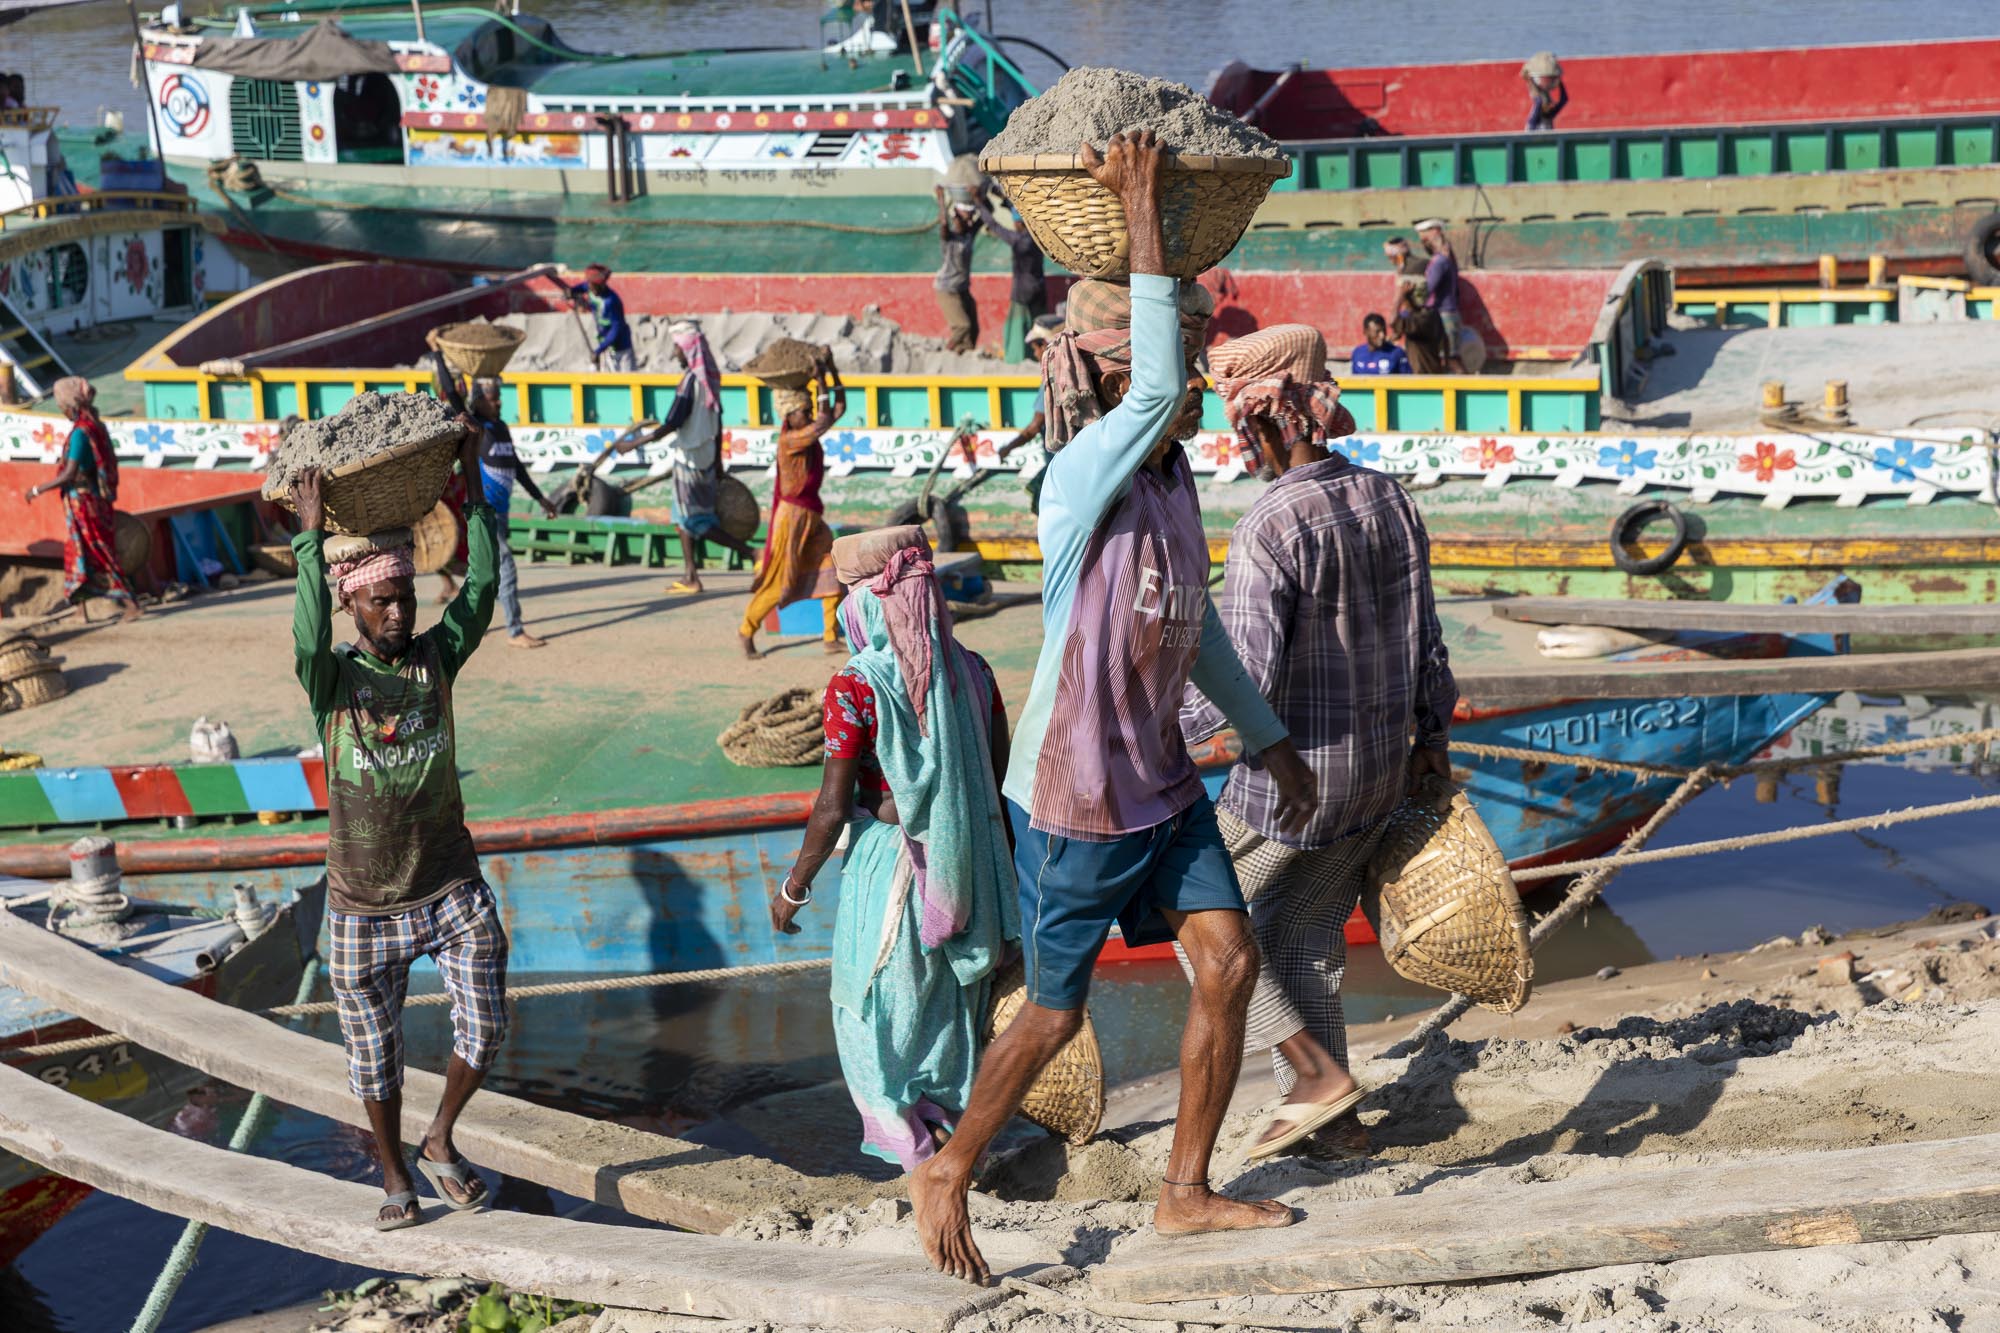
[(374, 567), (1278, 376), (1096, 339)]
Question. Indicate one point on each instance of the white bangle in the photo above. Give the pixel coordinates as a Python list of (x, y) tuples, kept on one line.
[(785, 892)]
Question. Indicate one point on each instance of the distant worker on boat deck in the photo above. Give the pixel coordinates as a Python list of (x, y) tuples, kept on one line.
[(613, 351), (1028, 297), (1377, 355), (1547, 95), (1110, 819), (916, 745), (403, 879), (958, 228), (1441, 288), (88, 480), (499, 469), (1327, 597), (798, 548), (1406, 264)]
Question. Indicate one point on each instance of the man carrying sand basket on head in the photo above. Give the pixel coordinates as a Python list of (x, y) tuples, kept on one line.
[(1327, 597), (403, 879), (1109, 816)]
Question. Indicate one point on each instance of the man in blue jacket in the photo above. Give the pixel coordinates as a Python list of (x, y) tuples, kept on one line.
[(613, 351)]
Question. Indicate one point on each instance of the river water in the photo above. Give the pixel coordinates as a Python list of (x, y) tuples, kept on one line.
[(723, 1063), (81, 59)]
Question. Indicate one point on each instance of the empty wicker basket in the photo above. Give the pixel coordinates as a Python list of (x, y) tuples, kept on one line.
[(737, 509), (477, 349), (1444, 903), (275, 558), (44, 685), (1068, 1099), (392, 489), (434, 539), (1206, 204)]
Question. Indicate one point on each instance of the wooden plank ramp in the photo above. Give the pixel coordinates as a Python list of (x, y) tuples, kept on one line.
[(1649, 1214), (648, 1175), (632, 1267), (1958, 670), (1724, 617)]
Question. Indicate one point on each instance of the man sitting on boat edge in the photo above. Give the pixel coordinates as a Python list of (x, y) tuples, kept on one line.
[(403, 878)]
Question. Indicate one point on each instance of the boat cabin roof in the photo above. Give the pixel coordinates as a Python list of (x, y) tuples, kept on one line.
[(800, 74)]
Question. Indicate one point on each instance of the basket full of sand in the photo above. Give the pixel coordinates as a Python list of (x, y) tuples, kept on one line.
[(477, 349), (384, 460), (1216, 173), (786, 363)]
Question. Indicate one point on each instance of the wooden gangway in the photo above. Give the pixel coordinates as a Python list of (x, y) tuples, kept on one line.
[(651, 1176), (631, 1267)]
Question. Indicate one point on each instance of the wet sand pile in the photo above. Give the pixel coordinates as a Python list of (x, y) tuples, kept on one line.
[(784, 358), (1090, 104), (1825, 1066), (365, 425), (868, 343)]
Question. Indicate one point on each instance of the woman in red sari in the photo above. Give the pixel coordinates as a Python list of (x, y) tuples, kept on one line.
[(88, 480), (798, 548)]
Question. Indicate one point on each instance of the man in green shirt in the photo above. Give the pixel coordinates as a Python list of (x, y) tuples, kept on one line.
[(403, 879)]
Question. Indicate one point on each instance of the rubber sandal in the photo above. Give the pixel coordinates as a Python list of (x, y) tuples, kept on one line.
[(1303, 1117), (459, 1173), (678, 588), (413, 1211)]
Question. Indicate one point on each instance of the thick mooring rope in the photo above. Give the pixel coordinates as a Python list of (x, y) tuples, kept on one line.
[(783, 731)]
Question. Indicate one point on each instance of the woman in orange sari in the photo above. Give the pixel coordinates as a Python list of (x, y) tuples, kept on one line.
[(798, 549), (88, 480)]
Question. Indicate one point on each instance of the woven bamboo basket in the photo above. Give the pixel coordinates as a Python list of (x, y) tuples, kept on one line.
[(275, 558), (34, 689), (22, 657), (1206, 204), (133, 542), (1444, 903), (434, 539), (392, 489), (477, 349), (737, 508), (1068, 1099), (785, 364)]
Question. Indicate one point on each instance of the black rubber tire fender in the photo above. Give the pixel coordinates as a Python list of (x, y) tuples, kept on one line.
[(1981, 249), (947, 524), (1629, 524)]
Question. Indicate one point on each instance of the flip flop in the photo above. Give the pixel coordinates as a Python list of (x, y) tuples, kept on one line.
[(413, 1212), (680, 588), (459, 1173), (1302, 1117)]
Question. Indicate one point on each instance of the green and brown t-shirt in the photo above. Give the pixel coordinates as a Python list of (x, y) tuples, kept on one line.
[(396, 835)]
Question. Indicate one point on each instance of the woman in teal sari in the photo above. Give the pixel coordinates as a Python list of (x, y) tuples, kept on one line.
[(916, 744)]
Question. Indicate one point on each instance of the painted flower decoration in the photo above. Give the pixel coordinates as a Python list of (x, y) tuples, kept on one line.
[(152, 438), (1626, 457), (1767, 461), (471, 96), (848, 447), (427, 90), (1902, 459), (780, 150), (261, 438), (1489, 453), (136, 264), (598, 441), (1358, 451), (47, 435), (733, 445)]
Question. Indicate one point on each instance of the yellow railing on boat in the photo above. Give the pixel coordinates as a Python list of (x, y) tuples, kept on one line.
[(1442, 403), (97, 201)]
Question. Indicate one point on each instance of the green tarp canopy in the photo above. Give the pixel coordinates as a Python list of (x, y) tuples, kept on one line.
[(325, 52)]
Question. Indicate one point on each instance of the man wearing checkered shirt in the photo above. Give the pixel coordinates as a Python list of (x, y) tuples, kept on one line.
[(403, 880)]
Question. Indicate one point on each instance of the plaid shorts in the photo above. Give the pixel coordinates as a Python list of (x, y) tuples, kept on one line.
[(370, 971)]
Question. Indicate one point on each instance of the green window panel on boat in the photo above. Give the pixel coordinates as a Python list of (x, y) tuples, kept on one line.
[(1858, 150), (323, 400), (173, 402), (1697, 159), (1916, 147), (1541, 163), (23, 802), (735, 404), (213, 789), (956, 402), (902, 408), (1362, 405), (1590, 160), (608, 403), (1437, 166), (1545, 410), (1490, 164), (1751, 155), (1642, 159), (280, 400), (1212, 415), (1017, 406), (1381, 169), (1972, 146), (1330, 171), (1416, 409), (1979, 309), (549, 405), (233, 400), (1484, 410), (856, 415), (1803, 150)]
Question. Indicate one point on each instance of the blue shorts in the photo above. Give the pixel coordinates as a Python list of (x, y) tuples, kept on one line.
[(1072, 890)]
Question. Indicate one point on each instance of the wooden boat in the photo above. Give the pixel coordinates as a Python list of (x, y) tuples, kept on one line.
[(251, 959), (1883, 152)]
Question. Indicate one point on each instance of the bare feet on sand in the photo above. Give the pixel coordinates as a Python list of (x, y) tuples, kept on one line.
[(526, 640), (749, 645), (131, 612), (1318, 1090), (1186, 1210), (937, 1200)]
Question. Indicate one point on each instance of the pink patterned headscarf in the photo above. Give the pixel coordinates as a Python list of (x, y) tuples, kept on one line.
[(1278, 376), (693, 343), (375, 567), (912, 601)]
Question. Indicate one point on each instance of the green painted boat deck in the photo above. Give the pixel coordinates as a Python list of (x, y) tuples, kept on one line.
[(789, 74)]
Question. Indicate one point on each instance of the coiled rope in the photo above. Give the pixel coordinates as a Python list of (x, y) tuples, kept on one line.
[(783, 731)]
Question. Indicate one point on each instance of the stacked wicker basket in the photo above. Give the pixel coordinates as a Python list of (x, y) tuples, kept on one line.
[(28, 675)]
